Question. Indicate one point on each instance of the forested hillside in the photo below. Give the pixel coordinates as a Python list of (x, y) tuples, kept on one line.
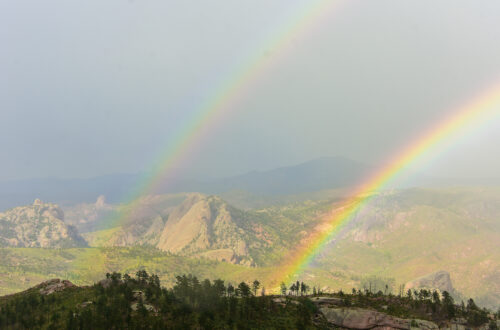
[(138, 301)]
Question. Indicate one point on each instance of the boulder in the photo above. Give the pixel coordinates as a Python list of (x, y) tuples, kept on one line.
[(54, 285), (326, 301), (439, 280), (358, 318)]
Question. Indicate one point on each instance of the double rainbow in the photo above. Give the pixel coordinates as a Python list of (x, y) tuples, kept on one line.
[(483, 108), (222, 101), (209, 113)]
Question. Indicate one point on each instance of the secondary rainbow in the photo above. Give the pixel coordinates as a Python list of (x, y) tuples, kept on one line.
[(484, 107), (209, 113)]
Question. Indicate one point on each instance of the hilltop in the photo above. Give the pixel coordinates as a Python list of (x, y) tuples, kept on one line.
[(139, 301), (37, 225)]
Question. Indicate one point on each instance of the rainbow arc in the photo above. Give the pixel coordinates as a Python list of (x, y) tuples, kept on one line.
[(224, 100), (226, 97), (480, 110)]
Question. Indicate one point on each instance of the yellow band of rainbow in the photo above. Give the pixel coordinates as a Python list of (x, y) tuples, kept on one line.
[(483, 108), (213, 110)]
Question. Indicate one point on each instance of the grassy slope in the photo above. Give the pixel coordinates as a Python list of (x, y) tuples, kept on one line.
[(100, 237), (24, 267)]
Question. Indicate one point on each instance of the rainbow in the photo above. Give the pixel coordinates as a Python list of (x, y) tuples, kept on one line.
[(210, 112), (484, 107), (238, 84)]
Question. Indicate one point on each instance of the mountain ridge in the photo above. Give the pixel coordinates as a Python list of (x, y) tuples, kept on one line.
[(317, 174)]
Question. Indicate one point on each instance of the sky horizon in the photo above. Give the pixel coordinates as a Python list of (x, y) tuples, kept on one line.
[(99, 88)]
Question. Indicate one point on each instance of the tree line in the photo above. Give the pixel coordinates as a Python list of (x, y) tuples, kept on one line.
[(139, 302)]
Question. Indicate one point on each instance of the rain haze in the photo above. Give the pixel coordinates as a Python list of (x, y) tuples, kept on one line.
[(258, 164), (97, 87)]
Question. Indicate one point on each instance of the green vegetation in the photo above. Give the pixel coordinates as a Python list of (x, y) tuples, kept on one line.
[(274, 230), (141, 303), (415, 232), (22, 268), (399, 237), (423, 304)]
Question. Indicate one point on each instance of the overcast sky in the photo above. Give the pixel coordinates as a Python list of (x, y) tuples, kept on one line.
[(95, 87)]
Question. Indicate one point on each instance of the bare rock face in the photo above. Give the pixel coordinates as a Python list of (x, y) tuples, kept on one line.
[(439, 280), (358, 318), (204, 227), (37, 225), (193, 225), (54, 285)]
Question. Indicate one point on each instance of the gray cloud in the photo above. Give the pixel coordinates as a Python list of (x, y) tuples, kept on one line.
[(97, 87)]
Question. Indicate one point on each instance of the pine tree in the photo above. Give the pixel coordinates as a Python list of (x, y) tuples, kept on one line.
[(255, 287), (283, 288), (230, 290)]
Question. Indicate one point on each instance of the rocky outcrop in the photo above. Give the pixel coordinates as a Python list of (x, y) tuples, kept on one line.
[(358, 318), (54, 285), (328, 301), (439, 280), (37, 225), (461, 324), (200, 226), (204, 227)]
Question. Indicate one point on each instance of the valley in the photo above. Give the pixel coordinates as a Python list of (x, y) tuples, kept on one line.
[(399, 238)]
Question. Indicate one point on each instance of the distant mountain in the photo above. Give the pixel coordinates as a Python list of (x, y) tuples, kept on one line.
[(319, 174), (37, 225), (314, 175), (310, 180), (66, 191)]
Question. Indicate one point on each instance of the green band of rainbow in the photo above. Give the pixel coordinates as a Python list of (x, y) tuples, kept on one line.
[(238, 84), (213, 110), (483, 108)]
